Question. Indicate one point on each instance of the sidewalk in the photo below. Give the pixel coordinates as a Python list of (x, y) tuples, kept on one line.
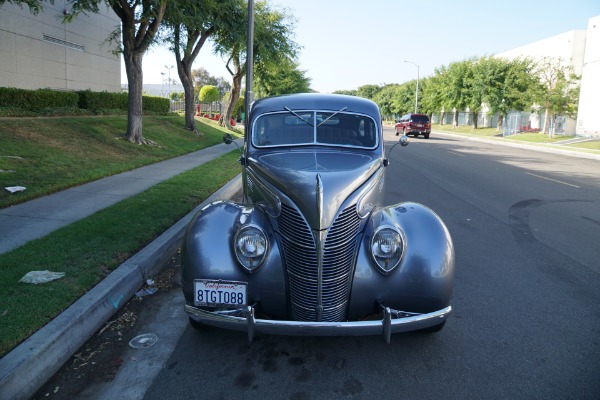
[(29, 366), (39, 217)]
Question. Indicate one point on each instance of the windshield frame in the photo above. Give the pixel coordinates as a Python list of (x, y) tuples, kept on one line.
[(315, 125)]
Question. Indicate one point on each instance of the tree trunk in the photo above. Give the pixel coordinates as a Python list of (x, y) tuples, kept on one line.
[(455, 119), (442, 115), (135, 79), (546, 118), (500, 122), (234, 96), (475, 115), (185, 74)]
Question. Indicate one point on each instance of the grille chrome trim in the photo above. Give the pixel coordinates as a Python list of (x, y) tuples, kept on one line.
[(301, 258)]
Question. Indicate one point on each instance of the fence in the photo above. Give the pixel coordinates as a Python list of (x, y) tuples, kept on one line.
[(515, 122), (205, 108)]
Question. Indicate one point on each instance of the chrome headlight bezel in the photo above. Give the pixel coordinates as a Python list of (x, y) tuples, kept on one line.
[(254, 232), (387, 259)]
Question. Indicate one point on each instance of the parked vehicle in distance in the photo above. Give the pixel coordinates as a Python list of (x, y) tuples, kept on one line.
[(311, 249), (414, 124)]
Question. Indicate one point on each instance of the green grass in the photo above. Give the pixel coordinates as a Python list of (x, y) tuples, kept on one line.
[(51, 154), (536, 138), (593, 145), (466, 129), (46, 155)]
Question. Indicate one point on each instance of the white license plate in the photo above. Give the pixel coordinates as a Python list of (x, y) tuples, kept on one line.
[(219, 293)]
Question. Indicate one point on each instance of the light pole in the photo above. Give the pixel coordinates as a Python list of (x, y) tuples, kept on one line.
[(162, 87), (416, 91), (169, 79)]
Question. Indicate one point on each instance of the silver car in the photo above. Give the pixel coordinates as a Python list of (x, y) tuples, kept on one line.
[(311, 249)]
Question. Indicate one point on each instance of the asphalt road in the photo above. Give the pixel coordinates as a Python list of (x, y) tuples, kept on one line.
[(526, 321)]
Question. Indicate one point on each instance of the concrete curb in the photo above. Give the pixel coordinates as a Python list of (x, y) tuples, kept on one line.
[(30, 365)]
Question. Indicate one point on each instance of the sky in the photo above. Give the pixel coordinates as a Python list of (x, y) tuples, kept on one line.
[(350, 43)]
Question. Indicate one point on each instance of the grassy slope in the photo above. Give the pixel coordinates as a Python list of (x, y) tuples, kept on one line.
[(89, 249)]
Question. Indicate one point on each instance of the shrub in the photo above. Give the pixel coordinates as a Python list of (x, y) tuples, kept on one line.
[(36, 100)]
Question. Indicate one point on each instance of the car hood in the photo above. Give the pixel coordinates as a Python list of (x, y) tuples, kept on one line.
[(317, 182)]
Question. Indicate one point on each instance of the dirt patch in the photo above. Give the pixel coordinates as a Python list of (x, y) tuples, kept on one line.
[(101, 357)]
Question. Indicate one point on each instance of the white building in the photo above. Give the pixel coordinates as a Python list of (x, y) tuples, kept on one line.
[(39, 51), (581, 50), (588, 117)]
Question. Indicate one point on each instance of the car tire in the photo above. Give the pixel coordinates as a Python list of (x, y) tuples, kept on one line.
[(426, 136), (397, 133), (433, 329)]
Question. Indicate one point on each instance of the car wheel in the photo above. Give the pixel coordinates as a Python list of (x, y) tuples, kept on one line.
[(434, 328), (426, 136), (397, 133)]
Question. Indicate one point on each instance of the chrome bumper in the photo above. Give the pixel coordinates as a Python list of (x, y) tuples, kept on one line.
[(393, 321)]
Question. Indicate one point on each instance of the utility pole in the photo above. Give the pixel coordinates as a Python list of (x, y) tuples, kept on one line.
[(416, 91), (169, 79)]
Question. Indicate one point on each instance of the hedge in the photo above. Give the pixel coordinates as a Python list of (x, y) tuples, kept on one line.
[(40, 99), (37, 100)]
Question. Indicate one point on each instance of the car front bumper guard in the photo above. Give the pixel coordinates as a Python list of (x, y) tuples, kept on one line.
[(393, 321)]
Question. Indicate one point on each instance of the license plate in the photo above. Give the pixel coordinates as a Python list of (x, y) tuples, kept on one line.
[(219, 293)]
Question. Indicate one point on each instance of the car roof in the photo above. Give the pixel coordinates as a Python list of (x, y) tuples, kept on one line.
[(316, 101)]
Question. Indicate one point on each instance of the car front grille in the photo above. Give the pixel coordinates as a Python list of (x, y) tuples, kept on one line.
[(300, 253)]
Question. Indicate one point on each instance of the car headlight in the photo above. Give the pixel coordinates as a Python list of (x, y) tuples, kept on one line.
[(387, 247), (251, 245)]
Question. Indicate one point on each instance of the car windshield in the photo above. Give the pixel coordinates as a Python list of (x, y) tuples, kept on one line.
[(294, 127), (419, 118)]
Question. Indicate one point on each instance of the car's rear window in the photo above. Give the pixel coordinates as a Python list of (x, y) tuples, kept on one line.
[(419, 118), (314, 127)]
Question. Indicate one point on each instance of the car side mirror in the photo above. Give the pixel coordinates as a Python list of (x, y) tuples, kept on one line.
[(404, 141), (228, 138)]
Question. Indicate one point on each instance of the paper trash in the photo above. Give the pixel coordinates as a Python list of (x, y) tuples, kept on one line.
[(14, 189), (41, 276)]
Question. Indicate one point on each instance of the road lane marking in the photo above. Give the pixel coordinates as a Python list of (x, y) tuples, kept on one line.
[(456, 154), (553, 180)]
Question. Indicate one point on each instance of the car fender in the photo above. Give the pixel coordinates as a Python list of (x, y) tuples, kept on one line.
[(423, 280), (207, 253)]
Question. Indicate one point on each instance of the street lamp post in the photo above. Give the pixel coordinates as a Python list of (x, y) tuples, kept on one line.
[(416, 91), (169, 79)]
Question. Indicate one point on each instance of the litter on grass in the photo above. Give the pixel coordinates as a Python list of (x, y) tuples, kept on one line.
[(37, 277), (14, 189)]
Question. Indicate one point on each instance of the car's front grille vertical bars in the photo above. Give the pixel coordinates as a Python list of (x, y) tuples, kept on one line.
[(301, 260)]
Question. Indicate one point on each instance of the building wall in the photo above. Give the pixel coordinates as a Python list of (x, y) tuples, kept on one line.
[(588, 117), (569, 46), (39, 51), (575, 48)]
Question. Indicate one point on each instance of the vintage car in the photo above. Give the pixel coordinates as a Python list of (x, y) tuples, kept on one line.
[(311, 250)]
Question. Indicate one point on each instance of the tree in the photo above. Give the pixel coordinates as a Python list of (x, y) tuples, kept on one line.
[(385, 100), (35, 6), (368, 91), (509, 85), (431, 96), (191, 23), (272, 44), (455, 88), (558, 91), (346, 92), (140, 21), (282, 78), (209, 94)]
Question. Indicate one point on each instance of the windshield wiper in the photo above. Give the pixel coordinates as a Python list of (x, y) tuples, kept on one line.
[(331, 116), (299, 116)]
